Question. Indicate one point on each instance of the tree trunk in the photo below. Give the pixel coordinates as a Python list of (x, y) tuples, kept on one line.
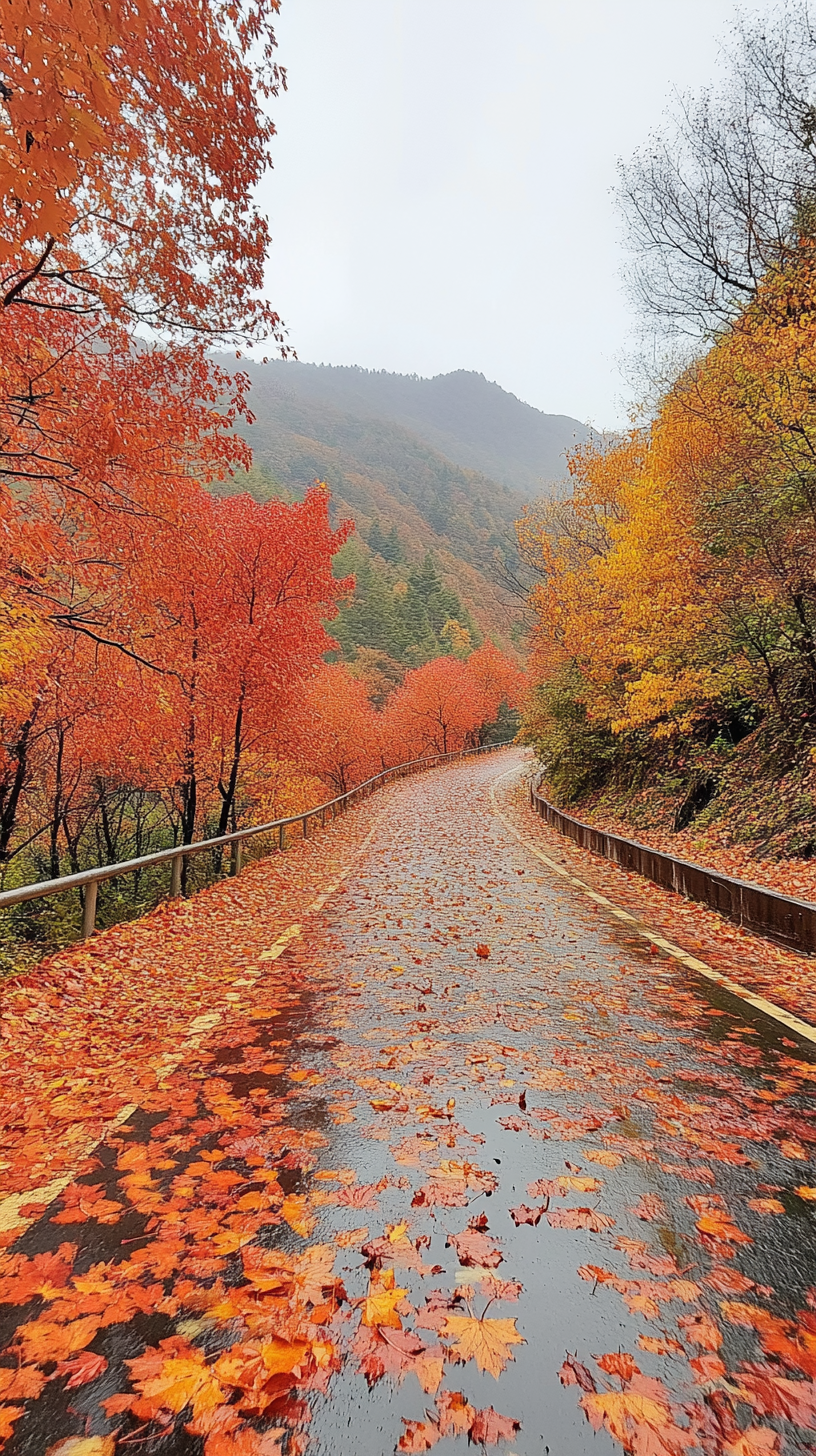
[(9, 802), (56, 816)]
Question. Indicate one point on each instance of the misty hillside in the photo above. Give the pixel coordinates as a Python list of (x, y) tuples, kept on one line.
[(378, 469), (472, 422), (441, 465), (405, 498)]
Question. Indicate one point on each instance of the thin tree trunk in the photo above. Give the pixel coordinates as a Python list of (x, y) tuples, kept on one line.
[(56, 816), (10, 801)]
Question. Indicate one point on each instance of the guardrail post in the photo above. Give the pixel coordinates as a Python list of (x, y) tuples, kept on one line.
[(89, 910), (175, 876), (305, 826), (235, 865), (282, 837)]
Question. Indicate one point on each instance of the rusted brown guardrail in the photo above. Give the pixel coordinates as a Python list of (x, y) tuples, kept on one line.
[(779, 917), (88, 881)]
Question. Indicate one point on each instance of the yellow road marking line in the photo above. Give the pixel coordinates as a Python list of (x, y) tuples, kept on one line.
[(10, 1207), (769, 1008), (198, 1029), (279, 946)]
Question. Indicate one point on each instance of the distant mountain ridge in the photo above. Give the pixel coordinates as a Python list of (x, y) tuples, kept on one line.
[(474, 423), (408, 460)]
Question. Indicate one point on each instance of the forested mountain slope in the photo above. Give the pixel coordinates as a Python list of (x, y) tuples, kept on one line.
[(406, 498), (472, 422)]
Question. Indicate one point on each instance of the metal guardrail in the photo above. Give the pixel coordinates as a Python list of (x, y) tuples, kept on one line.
[(768, 913), (90, 880)]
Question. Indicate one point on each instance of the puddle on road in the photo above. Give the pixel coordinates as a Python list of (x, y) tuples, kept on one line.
[(388, 1089)]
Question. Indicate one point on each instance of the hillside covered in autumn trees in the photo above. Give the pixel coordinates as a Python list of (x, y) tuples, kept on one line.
[(676, 602), (166, 661), (395, 471)]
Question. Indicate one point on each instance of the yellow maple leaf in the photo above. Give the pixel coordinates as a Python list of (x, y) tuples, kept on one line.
[(623, 1411), (295, 1210), (568, 1182), (487, 1341), (83, 1446), (282, 1356), (182, 1382), (602, 1156), (379, 1305), (429, 1370)]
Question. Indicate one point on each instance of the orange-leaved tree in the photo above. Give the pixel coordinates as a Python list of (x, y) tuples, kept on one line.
[(132, 135), (333, 729), (438, 709)]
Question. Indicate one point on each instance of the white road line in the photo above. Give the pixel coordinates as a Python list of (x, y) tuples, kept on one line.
[(769, 1008)]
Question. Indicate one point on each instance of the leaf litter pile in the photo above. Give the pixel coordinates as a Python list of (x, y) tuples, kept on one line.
[(466, 1165)]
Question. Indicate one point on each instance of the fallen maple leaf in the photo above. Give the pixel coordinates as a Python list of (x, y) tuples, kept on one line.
[(24, 1382), (360, 1195), (572, 1372), (619, 1363), (475, 1249), (772, 1395), (45, 1341), (523, 1214), (246, 1442), (483, 951), (701, 1330), (655, 1346), (604, 1157), (429, 1367), (707, 1369), (579, 1218), (625, 1413), (649, 1207), (418, 1435), (717, 1225), (83, 1446), (454, 1412), (351, 1238), (295, 1210), (8, 1415), (489, 1427), (485, 1341), (379, 1305), (792, 1148), (170, 1381), (756, 1441), (82, 1369), (383, 1351), (493, 1288)]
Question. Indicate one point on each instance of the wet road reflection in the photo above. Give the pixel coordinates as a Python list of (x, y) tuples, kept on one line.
[(468, 1163)]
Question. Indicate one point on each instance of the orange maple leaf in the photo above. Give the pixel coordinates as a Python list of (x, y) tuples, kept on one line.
[(44, 1341)]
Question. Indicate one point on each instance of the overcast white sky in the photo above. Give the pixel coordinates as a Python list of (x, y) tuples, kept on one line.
[(440, 198)]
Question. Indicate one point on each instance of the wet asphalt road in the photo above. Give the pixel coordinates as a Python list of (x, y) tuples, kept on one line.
[(455, 1002)]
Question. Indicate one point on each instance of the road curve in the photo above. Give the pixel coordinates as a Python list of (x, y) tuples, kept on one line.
[(463, 1080)]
